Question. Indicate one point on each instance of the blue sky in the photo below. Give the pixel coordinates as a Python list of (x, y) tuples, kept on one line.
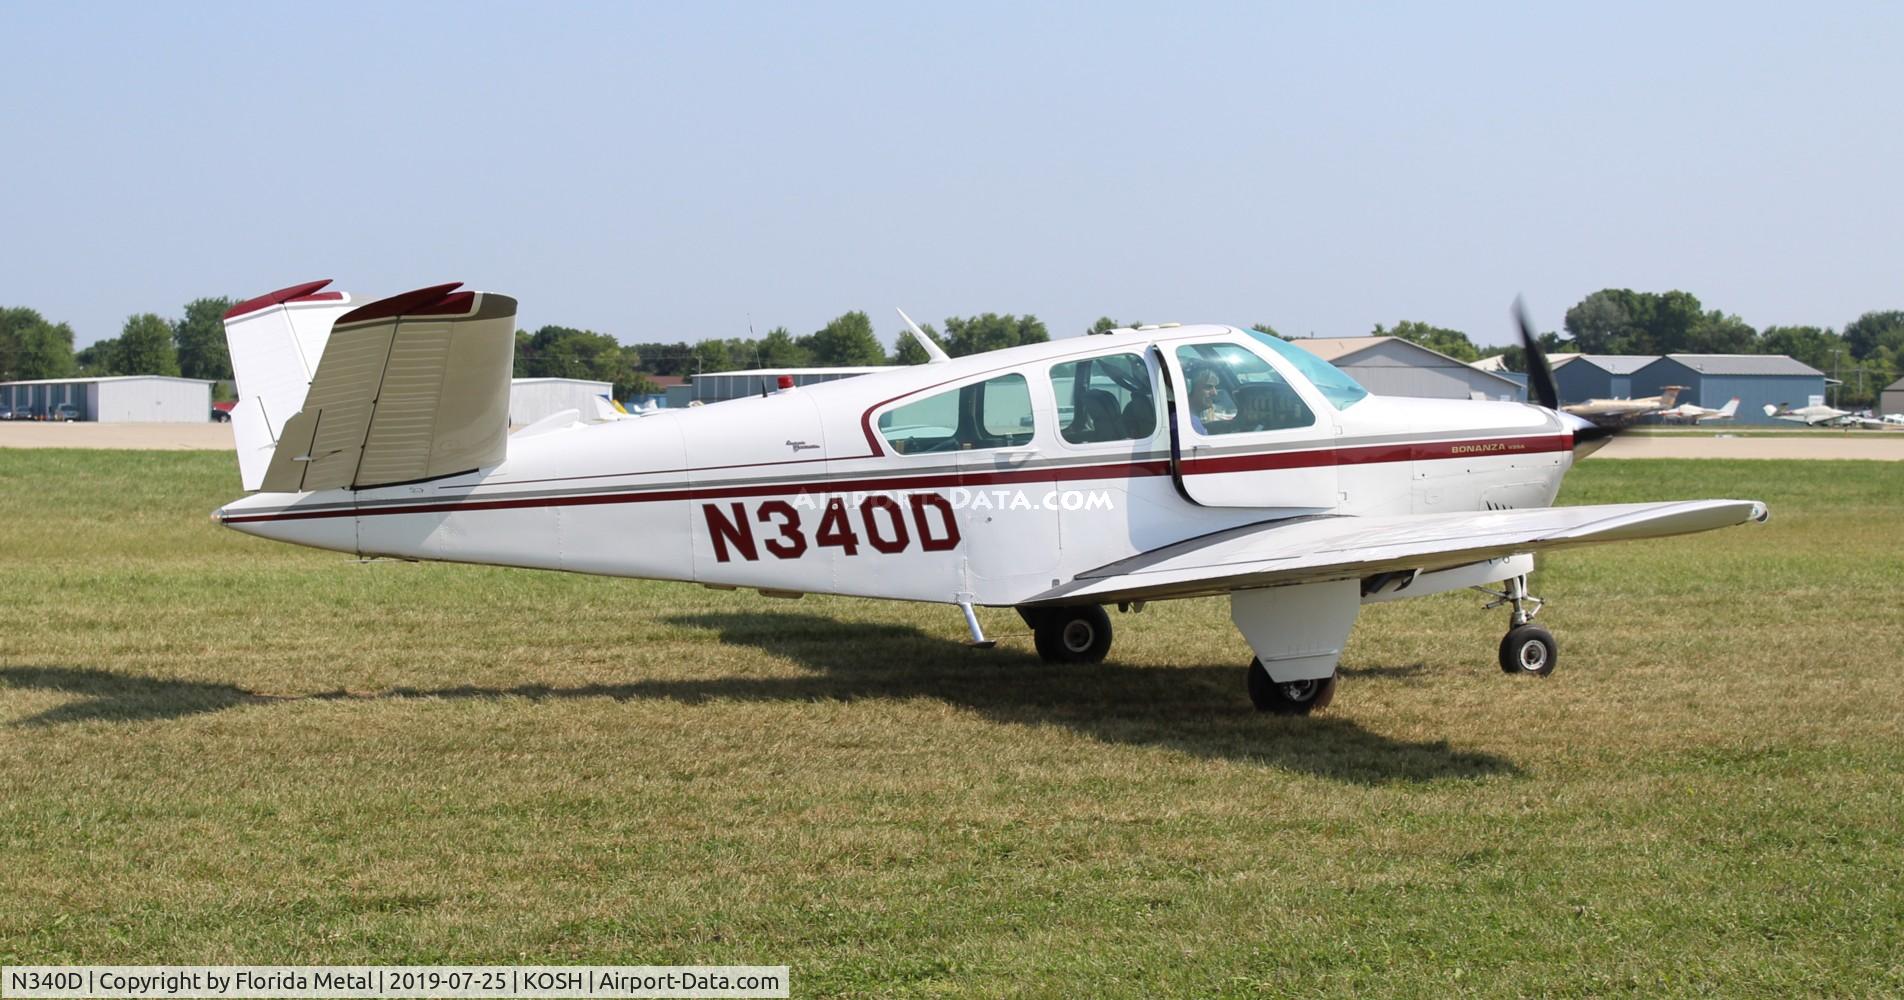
[(672, 172)]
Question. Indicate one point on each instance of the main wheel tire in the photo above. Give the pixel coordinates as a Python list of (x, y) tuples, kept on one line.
[(1288, 697), (1079, 634), (1529, 649)]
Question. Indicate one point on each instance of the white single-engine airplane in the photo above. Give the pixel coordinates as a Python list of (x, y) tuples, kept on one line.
[(1820, 415), (1051, 478), (1693, 413)]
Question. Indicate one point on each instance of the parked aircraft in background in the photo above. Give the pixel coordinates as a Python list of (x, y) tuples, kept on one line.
[(1617, 412), (1190, 461), (1820, 415), (1694, 413)]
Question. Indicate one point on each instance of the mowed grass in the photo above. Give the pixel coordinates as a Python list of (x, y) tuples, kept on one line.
[(219, 749)]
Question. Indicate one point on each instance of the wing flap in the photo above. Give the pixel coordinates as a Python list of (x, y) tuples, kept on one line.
[(1308, 550)]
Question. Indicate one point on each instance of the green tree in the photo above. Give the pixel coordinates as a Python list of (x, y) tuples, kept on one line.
[(778, 349), (1873, 330), (1266, 328), (712, 356), (1808, 344), (200, 339), (46, 351), (1720, 333), (847, 340), (991, 332), (31, 347), (145, 347), (908, 351), (1453, 343), (1623, 321), (566, 352), (97, 358)]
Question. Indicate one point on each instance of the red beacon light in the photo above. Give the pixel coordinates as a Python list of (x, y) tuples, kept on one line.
[(786, 382)]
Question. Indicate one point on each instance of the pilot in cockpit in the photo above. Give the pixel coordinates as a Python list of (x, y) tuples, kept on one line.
[(1205, 389)]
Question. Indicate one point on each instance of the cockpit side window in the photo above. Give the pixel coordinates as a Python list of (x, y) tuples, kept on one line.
[(995, 413), (1104, 399), (1232, 391)]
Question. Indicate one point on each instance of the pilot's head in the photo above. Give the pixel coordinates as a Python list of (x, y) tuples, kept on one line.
[(1203, 389)]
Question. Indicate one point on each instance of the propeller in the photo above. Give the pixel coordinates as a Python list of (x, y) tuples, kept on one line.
[(1540, 375), (1587, 435)]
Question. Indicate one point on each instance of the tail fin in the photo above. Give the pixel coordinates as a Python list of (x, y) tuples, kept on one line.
[(1669, 395), (1727, 411), (275, 342)]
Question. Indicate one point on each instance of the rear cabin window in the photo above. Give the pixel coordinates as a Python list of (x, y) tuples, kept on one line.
[(1232, 391), (995, 413), (1104, 399)]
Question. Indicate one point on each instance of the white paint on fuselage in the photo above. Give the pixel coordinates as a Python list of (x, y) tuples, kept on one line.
[(631, 497)]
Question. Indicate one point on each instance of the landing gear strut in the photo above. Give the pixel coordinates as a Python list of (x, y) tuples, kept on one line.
[(1527, 648), (1079, 634)]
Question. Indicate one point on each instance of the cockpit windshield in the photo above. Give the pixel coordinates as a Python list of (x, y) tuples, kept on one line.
[(1335, 384)]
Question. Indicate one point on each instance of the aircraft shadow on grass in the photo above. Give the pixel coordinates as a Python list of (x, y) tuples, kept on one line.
[(1197, 710)]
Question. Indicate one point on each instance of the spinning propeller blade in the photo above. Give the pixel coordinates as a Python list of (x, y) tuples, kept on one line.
[(1540, 377), (1587, 435)]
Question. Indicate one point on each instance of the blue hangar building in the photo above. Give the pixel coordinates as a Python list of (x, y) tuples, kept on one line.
[(1757, 379)]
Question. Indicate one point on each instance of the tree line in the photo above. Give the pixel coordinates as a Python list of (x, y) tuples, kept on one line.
[(1868, 353)]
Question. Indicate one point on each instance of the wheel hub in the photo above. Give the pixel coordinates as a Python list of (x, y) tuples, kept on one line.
[(1078, 636), (1533, 655)]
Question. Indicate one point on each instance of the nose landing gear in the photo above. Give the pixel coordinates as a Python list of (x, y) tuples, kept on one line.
[(1527, 648)]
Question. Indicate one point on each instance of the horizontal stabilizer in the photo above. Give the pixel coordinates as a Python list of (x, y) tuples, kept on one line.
[(410, 387)]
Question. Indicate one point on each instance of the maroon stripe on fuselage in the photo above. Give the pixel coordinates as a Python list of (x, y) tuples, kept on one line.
[(1378, 454), (1370, 454)]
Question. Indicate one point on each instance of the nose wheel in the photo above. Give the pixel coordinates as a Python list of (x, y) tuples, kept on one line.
[(1527, 648)]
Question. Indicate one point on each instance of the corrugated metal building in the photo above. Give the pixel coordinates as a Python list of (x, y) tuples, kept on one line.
[(531, 399), (715, 387), (113, 398), (1711, 379), (1891, 400), (1581, 377), (1391, 366)]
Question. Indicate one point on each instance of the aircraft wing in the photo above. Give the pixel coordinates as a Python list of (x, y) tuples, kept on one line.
[(1316, 549), (410, 387)]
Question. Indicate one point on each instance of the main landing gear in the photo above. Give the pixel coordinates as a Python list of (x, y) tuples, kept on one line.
[(1077, 634), (1288, 697), (1527, 648)]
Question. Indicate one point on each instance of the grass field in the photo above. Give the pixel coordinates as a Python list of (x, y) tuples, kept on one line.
[(216, 749)]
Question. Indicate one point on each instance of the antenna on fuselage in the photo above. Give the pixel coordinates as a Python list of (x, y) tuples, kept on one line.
[(934, 353)]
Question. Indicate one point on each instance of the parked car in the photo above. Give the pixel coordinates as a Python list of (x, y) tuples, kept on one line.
[(221, 412), (6, 413), (64, 411)]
